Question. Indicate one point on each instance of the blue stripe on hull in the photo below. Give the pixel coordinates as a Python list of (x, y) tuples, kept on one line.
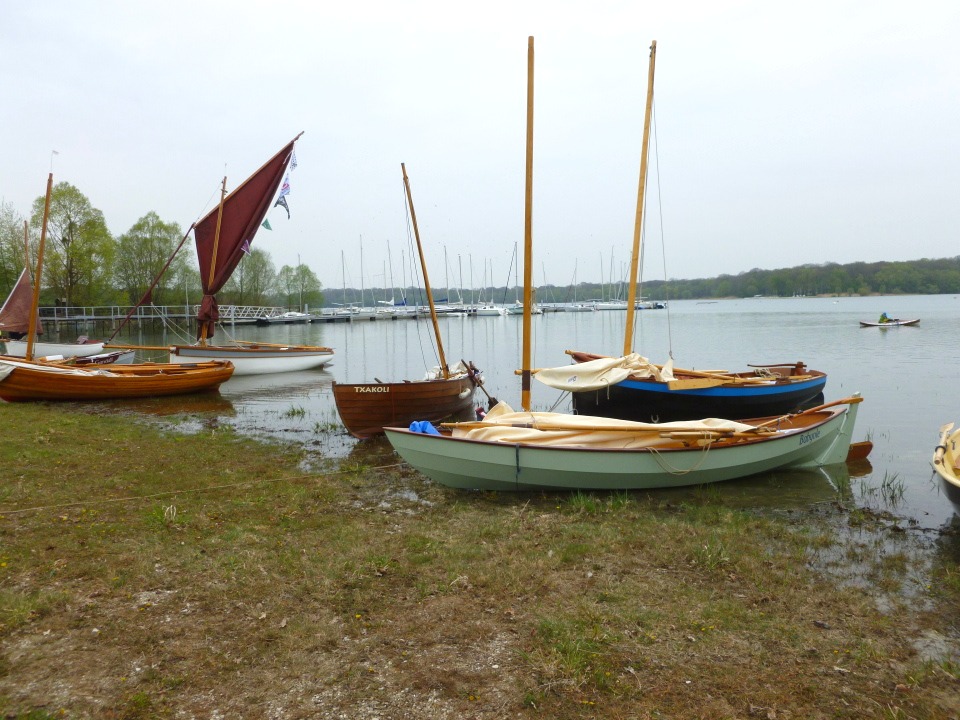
[(653, 402)]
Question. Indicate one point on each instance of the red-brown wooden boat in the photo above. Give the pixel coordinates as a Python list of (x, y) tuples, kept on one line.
[(365, 408), (25, 381)]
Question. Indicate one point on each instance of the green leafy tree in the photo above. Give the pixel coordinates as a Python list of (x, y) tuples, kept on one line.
[(142, 252), (300, 286), (253, 280), (12, 253), (79, 252), (287, 284)]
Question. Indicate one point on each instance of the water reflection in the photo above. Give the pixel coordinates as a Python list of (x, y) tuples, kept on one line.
[(277, 386), (207, 404)]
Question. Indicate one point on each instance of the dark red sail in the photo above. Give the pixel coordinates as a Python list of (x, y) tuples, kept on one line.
[(242, 212), (15, 313)]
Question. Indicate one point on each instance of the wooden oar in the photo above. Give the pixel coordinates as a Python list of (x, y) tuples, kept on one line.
[(942, 447), (650, 429), (853, 400), (115, 346), (275, 345), (472, 373)]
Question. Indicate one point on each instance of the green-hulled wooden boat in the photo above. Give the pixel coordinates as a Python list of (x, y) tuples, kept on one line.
[(550, 453)]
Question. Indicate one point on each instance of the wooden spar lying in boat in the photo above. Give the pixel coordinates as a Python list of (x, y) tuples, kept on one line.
[(24, 381)]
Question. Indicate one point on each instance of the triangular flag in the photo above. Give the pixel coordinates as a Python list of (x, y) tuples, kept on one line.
[(266, 224)]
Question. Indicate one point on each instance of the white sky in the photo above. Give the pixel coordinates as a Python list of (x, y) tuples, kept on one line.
[(787, 133)]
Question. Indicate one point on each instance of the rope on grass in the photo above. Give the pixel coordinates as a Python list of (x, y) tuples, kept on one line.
[(169, 493)]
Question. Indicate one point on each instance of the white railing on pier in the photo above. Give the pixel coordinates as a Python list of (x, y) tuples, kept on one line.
[(101, 313)]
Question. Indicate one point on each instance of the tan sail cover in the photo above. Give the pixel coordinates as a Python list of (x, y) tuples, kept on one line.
[(603, 372), (503, 424), (436, 373)]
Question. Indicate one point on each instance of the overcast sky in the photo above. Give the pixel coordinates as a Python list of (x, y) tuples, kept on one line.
[(786, 133)]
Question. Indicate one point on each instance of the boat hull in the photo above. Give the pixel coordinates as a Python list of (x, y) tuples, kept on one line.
[(366, 408), (484, 465), (648, 400), (892, 323), (18, 348), (946, 463), (255, 359), (24, 381)]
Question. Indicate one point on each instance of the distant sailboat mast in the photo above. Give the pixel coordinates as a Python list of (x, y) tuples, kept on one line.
[(35, 305)]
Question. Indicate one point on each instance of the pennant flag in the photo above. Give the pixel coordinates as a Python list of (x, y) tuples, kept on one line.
[(266, 224), (293, 160), (282, 201), (245, 247), (285, 188)]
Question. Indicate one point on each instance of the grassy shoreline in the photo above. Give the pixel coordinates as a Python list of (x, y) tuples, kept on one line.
[(146, 573)]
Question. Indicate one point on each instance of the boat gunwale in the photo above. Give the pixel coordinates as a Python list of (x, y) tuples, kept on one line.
[(832, 413)]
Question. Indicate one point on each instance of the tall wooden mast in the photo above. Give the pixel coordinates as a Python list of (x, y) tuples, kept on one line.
[(38, 276), (213, 257), (528, 239), (426, 280), (638, 221)]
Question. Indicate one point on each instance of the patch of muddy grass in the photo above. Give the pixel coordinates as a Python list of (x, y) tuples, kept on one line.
[(148, 574)]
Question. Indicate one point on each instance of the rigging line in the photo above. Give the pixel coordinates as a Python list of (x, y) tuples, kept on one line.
[(667, 467), (415, 273), (663, 245)]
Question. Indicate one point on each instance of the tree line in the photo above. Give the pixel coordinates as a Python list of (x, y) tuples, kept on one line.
[(85, 265), (909, 277)]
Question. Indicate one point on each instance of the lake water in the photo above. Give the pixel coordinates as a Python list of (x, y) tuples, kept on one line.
[(903, 373)]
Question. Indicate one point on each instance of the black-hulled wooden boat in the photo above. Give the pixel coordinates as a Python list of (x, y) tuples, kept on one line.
[(766, 390)]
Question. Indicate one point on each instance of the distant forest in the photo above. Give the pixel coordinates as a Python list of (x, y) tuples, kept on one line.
[(913, 277)]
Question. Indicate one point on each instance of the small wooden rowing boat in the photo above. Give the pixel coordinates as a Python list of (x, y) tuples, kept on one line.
[(22, 381)]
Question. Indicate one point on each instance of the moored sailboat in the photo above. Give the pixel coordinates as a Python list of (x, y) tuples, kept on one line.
[(658, 393), (366, 408), (16, 324), (223, 236), (29, 379)]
